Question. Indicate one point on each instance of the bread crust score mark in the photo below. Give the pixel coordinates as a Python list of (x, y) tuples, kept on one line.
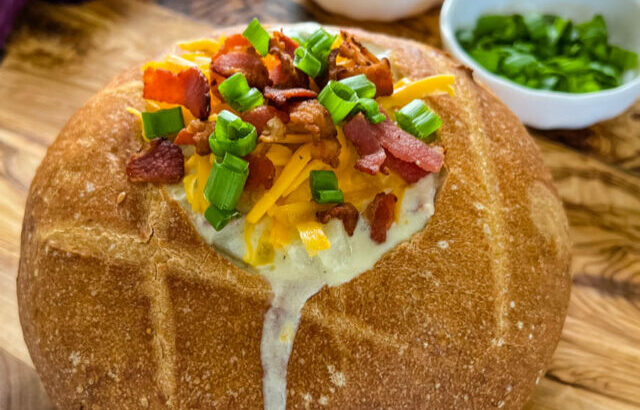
[(122, 302)]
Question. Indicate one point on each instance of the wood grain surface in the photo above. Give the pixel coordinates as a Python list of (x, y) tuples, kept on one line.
[(58, 56)]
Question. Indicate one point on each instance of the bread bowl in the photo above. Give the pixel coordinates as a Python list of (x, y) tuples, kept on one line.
[(125, 305)]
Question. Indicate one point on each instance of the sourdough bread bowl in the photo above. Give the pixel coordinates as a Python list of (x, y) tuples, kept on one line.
[(123, 305)]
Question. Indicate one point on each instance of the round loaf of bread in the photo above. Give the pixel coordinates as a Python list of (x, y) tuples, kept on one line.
[(123, 305)]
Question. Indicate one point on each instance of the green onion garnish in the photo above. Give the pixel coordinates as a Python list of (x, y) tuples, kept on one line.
[(418, 120), (548, 52), (235, 90), (307, 62), (311, 56), (361, 85), (339, 99), (162, 123), (324, 187), (226, 182), (370, 109), (218, 218), (232, 135), (319, 43), (258, 36)]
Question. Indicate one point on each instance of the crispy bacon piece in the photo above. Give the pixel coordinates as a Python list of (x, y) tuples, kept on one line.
[(197, 133), (281, 96), (407, 171), (361, 133), (284, 74), (235, 42), (163, 162), (261, 172), (346, 212), (310, 117), (261, 115), (237, 55), (283, 43), (360, 61), (370, 140), (406, 147), (380, 214), (188, 87), (245, 62)]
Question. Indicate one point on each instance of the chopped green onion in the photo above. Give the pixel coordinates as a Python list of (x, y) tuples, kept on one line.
[(235, 90), (548, 52), (219, 218), (234, 87), (361, 85), (323, 180), (250, 100), (319, 43), (162, 123), (258, 36), (329, 197), (623, 59), (339, 99), (307, 62), (370, 109), (226, 182), (232, 135), (418, 120), (324, 187)]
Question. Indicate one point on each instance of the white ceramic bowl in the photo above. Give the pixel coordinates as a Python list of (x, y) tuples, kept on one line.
[(378, 10), (548, 109)]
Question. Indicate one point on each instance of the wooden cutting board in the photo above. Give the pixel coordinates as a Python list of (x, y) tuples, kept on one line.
[(59, 56)]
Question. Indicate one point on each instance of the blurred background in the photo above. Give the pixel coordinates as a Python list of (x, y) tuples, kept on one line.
[(55, 55)]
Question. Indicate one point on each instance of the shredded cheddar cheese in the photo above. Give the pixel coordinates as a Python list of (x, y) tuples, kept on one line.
[(408, 92), (205, 45), (279, 155), (314, 165), (197, 169), (298, 161)]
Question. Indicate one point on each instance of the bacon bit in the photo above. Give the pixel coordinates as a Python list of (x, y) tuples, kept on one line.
[(346, 212), (247, 62), (361, 61), (197, 133), (396, 142), (380, 214), (407, 171), (406, 147), (283, 43), (188, 87), (261, 115), (281, 96), (310, 117), (261, 172), (163, 162), (284, 74), (236, 42), (363, 135)]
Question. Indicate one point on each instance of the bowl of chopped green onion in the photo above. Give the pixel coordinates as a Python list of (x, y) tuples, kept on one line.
[(555, 63)]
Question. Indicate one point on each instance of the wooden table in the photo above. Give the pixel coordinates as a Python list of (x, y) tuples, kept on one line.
[(58, 56)]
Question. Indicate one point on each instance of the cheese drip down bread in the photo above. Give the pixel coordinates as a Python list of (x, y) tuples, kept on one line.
[(236, 226)]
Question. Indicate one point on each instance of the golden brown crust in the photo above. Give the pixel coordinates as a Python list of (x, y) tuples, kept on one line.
[(124, 306)]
